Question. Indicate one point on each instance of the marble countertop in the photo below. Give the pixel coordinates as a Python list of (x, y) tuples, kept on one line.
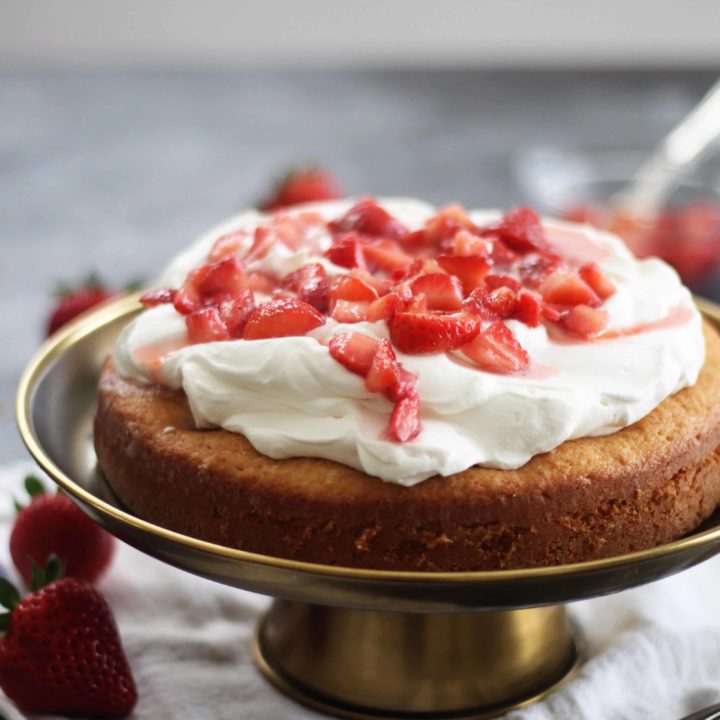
[(114, 173)]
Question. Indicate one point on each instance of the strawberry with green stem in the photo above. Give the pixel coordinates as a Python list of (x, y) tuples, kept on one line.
[(60, 651), (53, 524)]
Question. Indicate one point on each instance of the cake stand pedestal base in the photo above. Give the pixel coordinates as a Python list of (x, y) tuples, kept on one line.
[(368, 664)]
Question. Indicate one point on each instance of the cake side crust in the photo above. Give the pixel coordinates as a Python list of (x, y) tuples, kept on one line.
[(594, 497)]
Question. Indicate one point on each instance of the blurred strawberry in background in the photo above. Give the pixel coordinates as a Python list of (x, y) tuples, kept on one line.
[(301, 186)]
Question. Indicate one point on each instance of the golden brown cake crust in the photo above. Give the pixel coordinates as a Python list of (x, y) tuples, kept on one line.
[(594, 497)]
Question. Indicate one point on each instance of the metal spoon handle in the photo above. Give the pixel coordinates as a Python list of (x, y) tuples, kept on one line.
[(680, 152), (708, 713)]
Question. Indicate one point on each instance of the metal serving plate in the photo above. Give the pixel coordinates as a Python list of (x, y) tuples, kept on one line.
[(55, 406)]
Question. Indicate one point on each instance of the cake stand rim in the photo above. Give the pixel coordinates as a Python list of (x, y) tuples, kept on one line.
[(97, 318)]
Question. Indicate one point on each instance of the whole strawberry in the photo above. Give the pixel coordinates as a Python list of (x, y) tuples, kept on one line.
[(73, 301), (301, 186), (61, 652), (53, 525)]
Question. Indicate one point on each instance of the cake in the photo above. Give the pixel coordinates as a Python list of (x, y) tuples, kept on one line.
[(379, 384)]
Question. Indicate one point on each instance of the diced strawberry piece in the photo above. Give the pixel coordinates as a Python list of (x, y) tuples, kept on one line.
[(418, 304), (442, 228), (302, 186), (262, 243), (521, 230), (261, 283), (368, 218), (492, 305), (563, 287), (528, 309), (429, 333), (502, 301), (466, 244), (347, 251), (188, 297), (496, 281), (586, 321), (347, 311), (471, 270), (386, 255), (385, 307), (227, 244), (379, 284), (206, 325), (443, 292), (405, 419), (597, 280), (502, 255), (235, 313), (384, 371), (405, 386), (151, 298), (224, 279), (311, 285), (495, 349), (415, 240), (554, 313), (535, 267), (282, 318), (354, 350), (351, 287)]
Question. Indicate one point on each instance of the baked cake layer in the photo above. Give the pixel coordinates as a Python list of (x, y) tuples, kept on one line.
[(596, 497)]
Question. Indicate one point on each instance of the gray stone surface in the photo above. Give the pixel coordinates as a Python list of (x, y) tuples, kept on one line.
[(117, 172)]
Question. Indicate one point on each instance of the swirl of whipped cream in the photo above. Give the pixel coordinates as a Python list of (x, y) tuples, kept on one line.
[(290, 398)]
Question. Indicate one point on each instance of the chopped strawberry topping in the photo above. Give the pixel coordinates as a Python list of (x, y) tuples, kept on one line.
[(585, 321), (384, 371), (471, 269), (385, 307), (528, 309), (521, 230), (282, 318), (418, 333), (311, 285), (151, 298), (496, 281), (351, 287), (467, 244), (228, 244), (563, 287), (597, 280), (235, 313), (432, 287), (443, 292), (347, 251), (495, 349), (206, 325), (386, 256), (405, 419), (368, 218), (354, 350), (347, 311)]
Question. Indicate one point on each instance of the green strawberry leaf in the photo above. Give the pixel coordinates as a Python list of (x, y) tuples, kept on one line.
[(53, 570), (135, 284), (34, 486), (9, 596), (16, 504), (4, 622), (37, 579)]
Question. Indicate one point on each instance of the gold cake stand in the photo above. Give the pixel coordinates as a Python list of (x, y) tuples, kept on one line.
[(351, 643)]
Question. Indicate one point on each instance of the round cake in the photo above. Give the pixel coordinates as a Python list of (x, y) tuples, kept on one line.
[(383, 385)]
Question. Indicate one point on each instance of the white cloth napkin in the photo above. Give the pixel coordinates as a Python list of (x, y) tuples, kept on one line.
[(654, 652)]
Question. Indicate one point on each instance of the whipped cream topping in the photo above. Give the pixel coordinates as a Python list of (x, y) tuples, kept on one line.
[(290, 398)]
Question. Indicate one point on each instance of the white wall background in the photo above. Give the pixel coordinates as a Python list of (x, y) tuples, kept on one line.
[(358, 33)]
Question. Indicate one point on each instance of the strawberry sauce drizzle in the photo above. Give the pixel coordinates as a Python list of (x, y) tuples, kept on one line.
[(448, 286), (676, 317)]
